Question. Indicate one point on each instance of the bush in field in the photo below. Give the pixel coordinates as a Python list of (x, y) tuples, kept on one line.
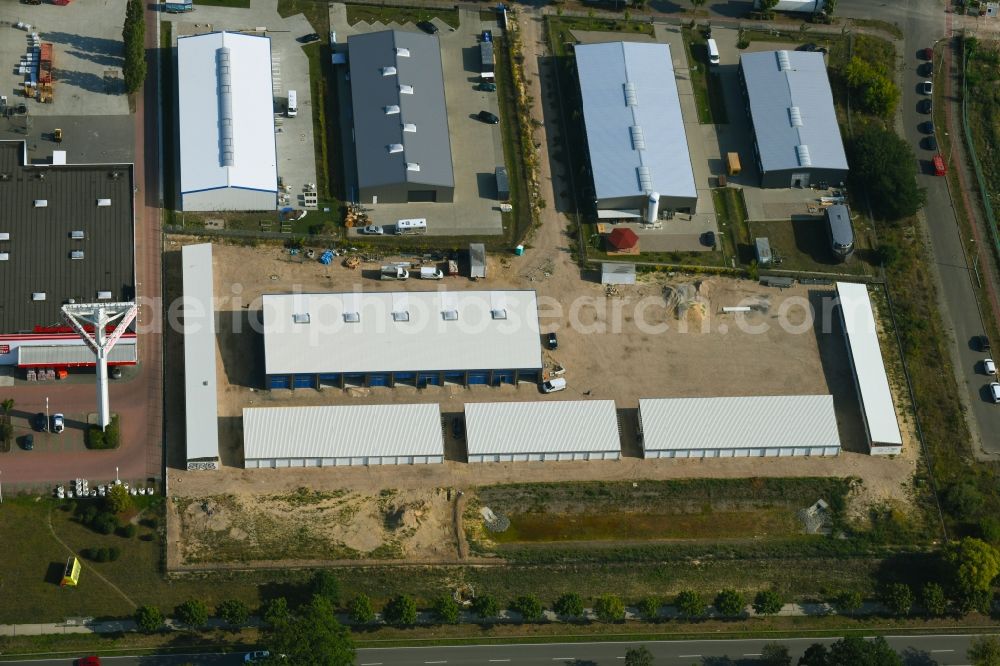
[(898, 598), (446, 609), (193, 613), (767, 602), (569, 605), (529, 607), (400, 610), (690, 604), (148, 619), (233, 612), (730, 603), (609, 608), (650, 607), (360, 609), (486, 606)]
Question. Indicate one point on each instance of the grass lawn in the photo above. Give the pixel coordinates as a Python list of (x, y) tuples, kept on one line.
[(707, 86), (801, 244), (596, 251), (240, 4), (317, 13), (372, 14), (517, 222)]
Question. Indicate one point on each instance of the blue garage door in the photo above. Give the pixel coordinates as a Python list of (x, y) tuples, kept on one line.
[(455, 377), (429, 379), (409, 378), (305, 381), (354, 379), (278, 382), (330, 379), (503, 377), (528, 375), (378, 380), (479, 377)]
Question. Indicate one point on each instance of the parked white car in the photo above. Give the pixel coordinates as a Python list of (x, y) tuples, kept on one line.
[(989, 367), (373, 230), (995, 392), (58, 423), (559, 384)]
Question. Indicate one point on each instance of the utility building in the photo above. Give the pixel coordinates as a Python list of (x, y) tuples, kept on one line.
[(415, 338), (201, 404), (796, 136), (67, 234), (225, 104), (351, 435), (556, 430), (638, 148), (401, 137), (751, 427)]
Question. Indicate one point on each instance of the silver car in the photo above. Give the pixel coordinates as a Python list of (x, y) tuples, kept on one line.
[(373, 230), (58, 423), (995, 392)]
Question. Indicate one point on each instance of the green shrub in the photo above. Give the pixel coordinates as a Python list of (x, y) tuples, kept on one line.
[(767, 602), (486, 606), (446, 609), (730, 603), (528, 607), (109, 438), (933, 599), (898, 598), (326, 585), (689, 604), (400, 610), (104, 523), (569, 605), (148, 619), (193, 613), (102, 555), (650, 607), (233, 612), (127, 531), (849, 601), (114, 553), (360, 609), (275, 611), (609, 608)]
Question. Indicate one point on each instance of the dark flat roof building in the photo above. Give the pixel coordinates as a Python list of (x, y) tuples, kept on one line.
[(401, 133)]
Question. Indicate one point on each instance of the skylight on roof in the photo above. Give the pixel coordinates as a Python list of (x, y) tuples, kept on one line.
[(412, 166), (405, 89), (392, 109), (401, 316), (395, 147), (449, 315), (795, 116), (409, 127), (802, 152), (402, 52), (352, 317), (301, 318), (630, 98), (388, 71)]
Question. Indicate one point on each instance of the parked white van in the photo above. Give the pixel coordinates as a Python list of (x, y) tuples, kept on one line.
[(553, 385), (417, 225), (713, 52), (292, 109), (431, 273)]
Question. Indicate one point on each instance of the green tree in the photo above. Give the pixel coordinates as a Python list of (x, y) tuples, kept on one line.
[(640, 656), (767, 602), (830, 7), (118, 500), (775, 654), (887, 254), (6, 405), (486, 606), (697, 3), (873, 88), (148, 619), (974, 564), (898, 598), (730, 603), (650, 607), (276, 611), (193, 613), (815, 655), (689, 604), (134, 36), (313, 637), (985, 651), (569, 605), (963, 500), (529, 608), (609, 608), (849, 601), (883, 165), (401, 610), (933, 599), (855, 650), (360, 609), (446, 609), (989, 530), (233, 612), (325, 584)]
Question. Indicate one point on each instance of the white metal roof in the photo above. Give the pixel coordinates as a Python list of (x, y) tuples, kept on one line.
[(738, 423), (200, 400), (124, 351), (785, 88), (342, 431), (324, 341), (541, 427), (628, 85), (869, 369), (212, 113)]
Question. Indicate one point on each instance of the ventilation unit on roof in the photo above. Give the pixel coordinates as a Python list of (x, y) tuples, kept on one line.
[(38, 296), (103, 203), (795, 116), (802, 152), (114, 175), (402, 315), (630, 98), (4, 236), (391, 110), (498, 313), (449, 315), (638, 139), (405, 89), (395, 147), (645, 178), (4, 176), (4, 256), (104, 295), (41, 203), (77, 235), (352, 317), (784, 62), (409, 127), (226, 154), (76, 254), (300, 318), (388, 71), (412, 166), (402, 52)]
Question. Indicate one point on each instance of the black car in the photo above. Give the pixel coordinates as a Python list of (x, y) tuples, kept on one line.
[(981, 343), (458, 428), (38, 422), (928, 68), (927, 127), (552, 341), (309, 39), (488, 118), (926, 106), (806, 47), (27, 442), (428, 27), (707, 239), (930, 143)]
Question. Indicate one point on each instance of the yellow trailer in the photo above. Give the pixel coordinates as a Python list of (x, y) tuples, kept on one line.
[(733, 162)]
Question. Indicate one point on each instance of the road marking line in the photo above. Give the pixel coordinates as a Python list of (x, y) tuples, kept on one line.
[(562, 658), (936, 651), (688, 656), (498, 660), (752, 654), (435, 662), (374, 663)]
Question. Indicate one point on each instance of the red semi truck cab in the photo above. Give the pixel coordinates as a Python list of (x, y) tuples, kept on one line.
[(939, 167)]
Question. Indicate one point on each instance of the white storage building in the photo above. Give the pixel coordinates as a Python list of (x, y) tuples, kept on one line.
[(870, 377), (557, 430), (350, 435), (225, 104), (750, 427), (201, 412)]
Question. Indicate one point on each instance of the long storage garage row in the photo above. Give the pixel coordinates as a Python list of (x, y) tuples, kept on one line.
[(537, 431)]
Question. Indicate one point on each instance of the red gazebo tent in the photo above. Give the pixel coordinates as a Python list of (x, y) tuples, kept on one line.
[(623, 240)]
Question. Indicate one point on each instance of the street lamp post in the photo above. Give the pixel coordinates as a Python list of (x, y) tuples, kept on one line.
[(46, 413)]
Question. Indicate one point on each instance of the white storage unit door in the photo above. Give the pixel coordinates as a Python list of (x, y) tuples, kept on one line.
[(281, 462)]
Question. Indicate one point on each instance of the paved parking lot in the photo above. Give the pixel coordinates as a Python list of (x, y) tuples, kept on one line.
[(289, 71), (86, 139), (476, 148), (87, 56)]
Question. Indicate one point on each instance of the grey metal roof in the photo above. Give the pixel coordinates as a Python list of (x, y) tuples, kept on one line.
[(559, 426), (839, 219), (342, 431), (628, 85), (200, 399), (738, 423), (309, 333), (617, 273), (869, 369), (124, 351), (40, 241), (792, 106), (373, 90)]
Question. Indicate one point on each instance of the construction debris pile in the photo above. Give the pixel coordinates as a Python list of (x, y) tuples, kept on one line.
[(36, 68)]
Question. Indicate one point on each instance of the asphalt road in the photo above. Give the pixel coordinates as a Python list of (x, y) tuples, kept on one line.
[(916, 651)]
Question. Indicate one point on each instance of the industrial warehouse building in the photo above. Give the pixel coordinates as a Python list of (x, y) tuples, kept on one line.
[(796, 136), (635, 132), (345, 435), (388, 338), (401, 137), (751, 427), (225, 105), (201, 411), (67, 234), (557, 430), (870, 379)]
